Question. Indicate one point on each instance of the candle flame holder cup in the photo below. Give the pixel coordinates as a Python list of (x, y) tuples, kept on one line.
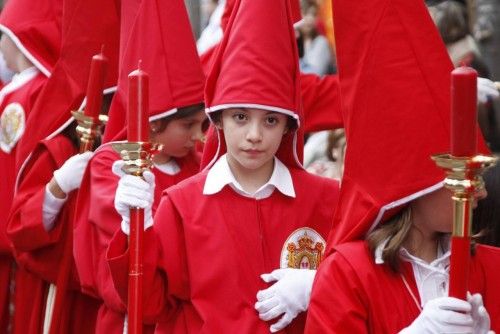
[(137, 156), (464, 179), (88, 129)]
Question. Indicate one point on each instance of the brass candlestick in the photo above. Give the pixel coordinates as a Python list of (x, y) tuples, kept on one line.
[(88, 129), (464, 179), (138, 156)]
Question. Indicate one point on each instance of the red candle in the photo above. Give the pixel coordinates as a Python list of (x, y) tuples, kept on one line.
[(138, 105), (463, 112), (96, 85)]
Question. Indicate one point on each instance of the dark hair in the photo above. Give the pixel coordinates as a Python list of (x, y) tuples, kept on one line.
[(486, 216), (182, 112), (451, 20)]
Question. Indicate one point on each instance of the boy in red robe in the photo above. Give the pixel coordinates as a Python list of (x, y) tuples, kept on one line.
[(388, 271), (176, 118), (253, 216)]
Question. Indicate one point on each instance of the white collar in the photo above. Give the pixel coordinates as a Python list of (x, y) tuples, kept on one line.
[(170, 167), (18, 80), (442, 255), (220, 175)]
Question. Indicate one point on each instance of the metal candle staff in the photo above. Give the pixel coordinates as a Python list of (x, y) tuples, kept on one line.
[(137, 155), (463, 167), (89, 128)]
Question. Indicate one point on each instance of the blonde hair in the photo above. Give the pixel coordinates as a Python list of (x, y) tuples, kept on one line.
[(396, 231)]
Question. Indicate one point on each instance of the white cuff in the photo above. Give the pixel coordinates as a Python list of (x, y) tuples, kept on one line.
[(50, 209)]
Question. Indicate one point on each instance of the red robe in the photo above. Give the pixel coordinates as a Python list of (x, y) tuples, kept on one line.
[(97, 221), (40, 252), (25, 95), (205, 254), (352, 294)]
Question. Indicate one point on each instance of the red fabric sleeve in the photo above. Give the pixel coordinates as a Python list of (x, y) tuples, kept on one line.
[(25, 228), (96, 221), (321, 102), (164, 256), (336, 302)]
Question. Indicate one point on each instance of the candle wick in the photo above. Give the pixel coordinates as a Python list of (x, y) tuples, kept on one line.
[(139, 65), (102, 48)]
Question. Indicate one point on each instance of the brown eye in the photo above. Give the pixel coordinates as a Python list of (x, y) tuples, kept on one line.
[(271, 120)]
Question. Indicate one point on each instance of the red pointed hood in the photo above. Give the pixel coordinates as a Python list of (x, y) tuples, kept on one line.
[(256, 66), (395, 83), (168, 55), (87, 25), (35, 28)]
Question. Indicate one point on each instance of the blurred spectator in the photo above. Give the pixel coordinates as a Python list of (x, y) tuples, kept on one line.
[(318, 56), (212, 34), (452, 20), (324, 153)]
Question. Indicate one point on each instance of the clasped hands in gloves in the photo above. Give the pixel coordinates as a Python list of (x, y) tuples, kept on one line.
[(452, 315), (289, 296), (134, 192)]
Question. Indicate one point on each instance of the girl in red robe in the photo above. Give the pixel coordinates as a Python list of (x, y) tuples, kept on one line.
[(253, 216), (388, 267), (177, 121)]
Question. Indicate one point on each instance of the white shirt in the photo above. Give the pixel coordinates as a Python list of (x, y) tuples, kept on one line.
[(220, 175), (432, 278), (170, 167)]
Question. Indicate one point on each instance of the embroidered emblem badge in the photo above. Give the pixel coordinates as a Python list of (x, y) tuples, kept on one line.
[(303, 249), (12, 123)]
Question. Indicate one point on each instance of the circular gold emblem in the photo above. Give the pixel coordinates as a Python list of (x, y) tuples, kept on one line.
[(12, 124), (303, 249)]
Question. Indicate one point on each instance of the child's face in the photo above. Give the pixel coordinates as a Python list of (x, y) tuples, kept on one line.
[(180, 135), (252, 136), (437, 209)]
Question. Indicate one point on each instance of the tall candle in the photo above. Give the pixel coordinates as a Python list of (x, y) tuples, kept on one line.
[(463, 112), (138, 105), (95, 85)]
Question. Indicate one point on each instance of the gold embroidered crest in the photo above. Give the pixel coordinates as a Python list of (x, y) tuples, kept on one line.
[(12, 123), (303, 249)]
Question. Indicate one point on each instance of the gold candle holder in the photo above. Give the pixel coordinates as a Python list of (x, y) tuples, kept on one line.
[(464, 179), (136, 155), (88, 129)]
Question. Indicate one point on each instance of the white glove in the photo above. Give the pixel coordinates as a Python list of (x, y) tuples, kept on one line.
[(443, 315), (479, 314), (134, 192), (69, 176), (289, 295), (486, 89)]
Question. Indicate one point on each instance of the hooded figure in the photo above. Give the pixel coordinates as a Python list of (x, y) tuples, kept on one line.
[(252, 210), (387, 268), (31, 34), (176, 115), (40, 224)]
